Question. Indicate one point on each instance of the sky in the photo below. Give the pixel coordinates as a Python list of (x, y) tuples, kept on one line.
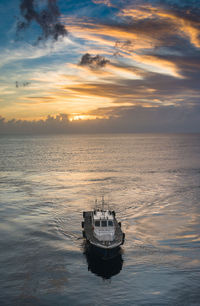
[(99, 66)]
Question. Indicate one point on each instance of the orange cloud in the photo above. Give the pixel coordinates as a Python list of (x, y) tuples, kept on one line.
[(185, 27), (37, 100), (131, 77), (156, 64), (107, 35)]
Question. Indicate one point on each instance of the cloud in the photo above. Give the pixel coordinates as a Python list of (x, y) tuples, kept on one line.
[(146, 36), (129, 55), (21, 84), (96, 61), (141, 25), (51, 124), (157, 64), (47, 18), (32, 52), (125, 45), (127, 85), (133, 119), (185, 23), (37, 100), (106, 2)]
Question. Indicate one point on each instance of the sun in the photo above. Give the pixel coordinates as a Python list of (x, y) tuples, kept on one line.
[(75, 117)]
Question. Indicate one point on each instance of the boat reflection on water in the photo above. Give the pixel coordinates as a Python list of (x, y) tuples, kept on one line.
[(101, 267)]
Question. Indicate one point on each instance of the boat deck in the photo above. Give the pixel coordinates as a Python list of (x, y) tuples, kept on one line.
[(93, 240)]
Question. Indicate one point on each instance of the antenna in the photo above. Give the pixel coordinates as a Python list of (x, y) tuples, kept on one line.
[(96, 206)]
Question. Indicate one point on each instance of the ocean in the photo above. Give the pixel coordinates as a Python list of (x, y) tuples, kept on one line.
[(152, 181)]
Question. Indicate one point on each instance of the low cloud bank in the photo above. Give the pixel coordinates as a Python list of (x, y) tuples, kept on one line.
[(122, 120)]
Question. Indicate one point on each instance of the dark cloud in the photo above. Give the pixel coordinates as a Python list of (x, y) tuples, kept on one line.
[(135, 119), (21, 84), (123, 45), (165, 23), (164, 119), (187, 10), (96, 61), (47, 19), (51, 124)]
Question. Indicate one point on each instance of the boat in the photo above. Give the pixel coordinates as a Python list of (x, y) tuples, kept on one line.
[(103, 232)]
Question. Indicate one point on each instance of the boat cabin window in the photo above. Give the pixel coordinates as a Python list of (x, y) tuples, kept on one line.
[(103, 223)]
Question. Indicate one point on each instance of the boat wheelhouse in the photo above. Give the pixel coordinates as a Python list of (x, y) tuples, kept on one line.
[(103, 225)]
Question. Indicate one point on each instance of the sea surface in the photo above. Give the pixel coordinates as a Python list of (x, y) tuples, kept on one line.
[(153, 184)]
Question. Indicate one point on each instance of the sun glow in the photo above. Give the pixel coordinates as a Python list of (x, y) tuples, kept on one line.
[(75, 117)]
